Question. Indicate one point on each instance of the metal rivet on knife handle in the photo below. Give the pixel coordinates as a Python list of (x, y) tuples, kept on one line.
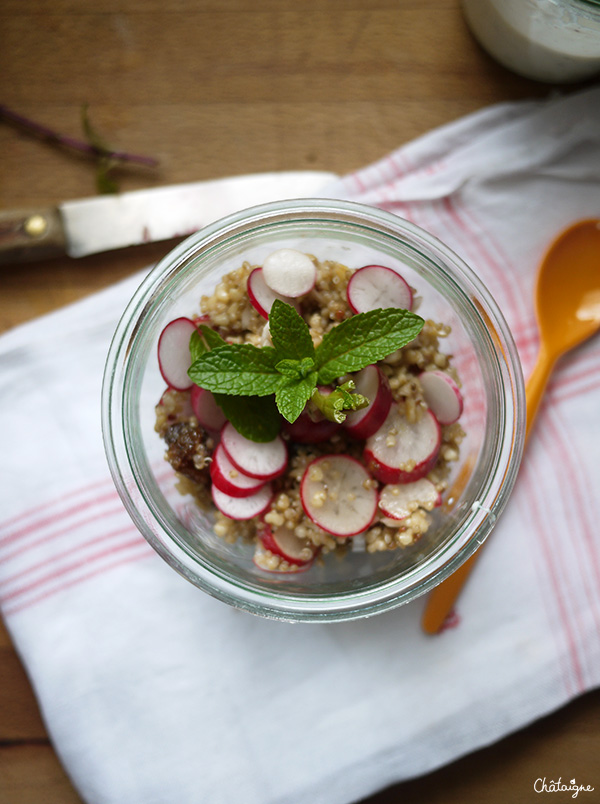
[(31, 234), (36, 225)]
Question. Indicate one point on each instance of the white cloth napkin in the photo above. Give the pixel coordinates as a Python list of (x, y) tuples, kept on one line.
[(154, 692)]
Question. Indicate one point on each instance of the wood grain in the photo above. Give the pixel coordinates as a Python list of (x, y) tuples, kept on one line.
[(220, 87)]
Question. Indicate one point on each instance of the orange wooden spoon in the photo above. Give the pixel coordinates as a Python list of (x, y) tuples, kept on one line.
[(568, 311)]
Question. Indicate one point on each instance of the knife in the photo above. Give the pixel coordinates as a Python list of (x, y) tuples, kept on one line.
[(107, 222)]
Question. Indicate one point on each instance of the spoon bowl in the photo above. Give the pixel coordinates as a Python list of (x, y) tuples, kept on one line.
[(567, 302), (568, 288)]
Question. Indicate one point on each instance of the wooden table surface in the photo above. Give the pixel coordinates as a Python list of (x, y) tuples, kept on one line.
[(219, 87)]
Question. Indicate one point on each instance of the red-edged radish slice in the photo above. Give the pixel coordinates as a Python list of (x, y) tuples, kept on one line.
[(261, 295), (209, 414), (337, 495), (376, 286), (289, 272), (442, 395), (265, 461), (269, 562), (174, 357), (230, 480), (372, 383), (284, 543), (306, 430), (402, 451), (399, 500), (311, 427), (243, 507)]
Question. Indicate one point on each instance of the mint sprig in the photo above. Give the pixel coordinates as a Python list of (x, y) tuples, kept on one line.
[(334, 405), (238, 369), (289, 332), (255, 417), (289, 372), (203, 340), (364, 339)]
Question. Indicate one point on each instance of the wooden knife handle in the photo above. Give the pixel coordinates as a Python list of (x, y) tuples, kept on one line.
[(31, 234)]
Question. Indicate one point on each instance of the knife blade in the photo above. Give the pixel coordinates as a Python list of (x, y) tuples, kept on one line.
[(108, 222)]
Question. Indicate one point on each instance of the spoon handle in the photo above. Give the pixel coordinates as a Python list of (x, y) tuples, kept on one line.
[(443, 597), (536, 385)]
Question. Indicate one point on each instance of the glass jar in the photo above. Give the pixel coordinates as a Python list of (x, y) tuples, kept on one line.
[(556, 41), (359, 583)]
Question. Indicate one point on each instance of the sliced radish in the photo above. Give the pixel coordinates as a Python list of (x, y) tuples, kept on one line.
[(311, 427), (306, 431), (267, 562), (174, 357), (399, 500), (442, 395), (376, 286), (289, 272), (337, 495), (284, 543), (261, 295), (402, 451), (209, 414), (372, 383), (229, 479), (243, 507), (264, 461)]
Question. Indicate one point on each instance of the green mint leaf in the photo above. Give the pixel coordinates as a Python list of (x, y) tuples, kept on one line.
[(289, 332), (255, 417), (211, 338), (293, 394), (237, 369), (363, 339), (307, 366), (203, 340), (289, 368), (334, 405), (296, 368)]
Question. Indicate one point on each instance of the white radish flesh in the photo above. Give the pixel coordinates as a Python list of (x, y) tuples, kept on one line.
[(399, 500), (376, 286), (371, 383), (284, 543), (243, 507), (289, 272), (209, 414), (402, 451), (262, 460), (174, 357), (442, 395), (337, 494), (261, 295), (229, 479)]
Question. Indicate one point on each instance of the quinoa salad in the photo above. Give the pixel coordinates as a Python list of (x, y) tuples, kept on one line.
[(353, 461)]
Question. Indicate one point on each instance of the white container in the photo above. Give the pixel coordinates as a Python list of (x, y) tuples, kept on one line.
[(556, 41)]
